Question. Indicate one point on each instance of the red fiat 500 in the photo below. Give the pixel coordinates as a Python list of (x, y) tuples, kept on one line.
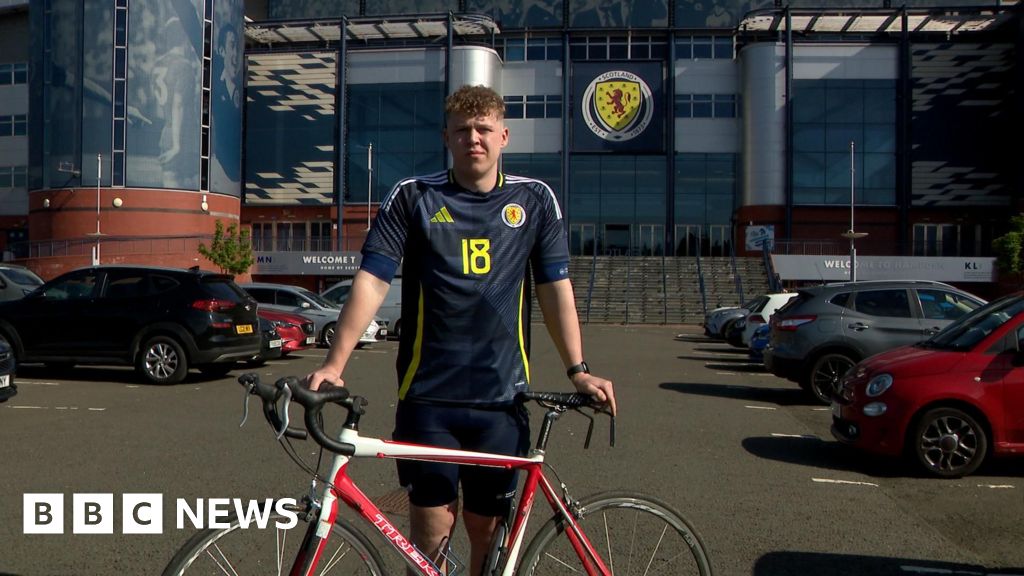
[(947, 402)]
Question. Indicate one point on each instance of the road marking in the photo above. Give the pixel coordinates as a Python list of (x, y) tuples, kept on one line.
[(38, 382), (804, 436), (760, 407), (850, 482), (997, 486), (97, 409), (22, 406), (929, 570), (819, 409), (29, 407), (726, 373)]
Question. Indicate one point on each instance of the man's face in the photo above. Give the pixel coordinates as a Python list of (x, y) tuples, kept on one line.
[(475, 142)]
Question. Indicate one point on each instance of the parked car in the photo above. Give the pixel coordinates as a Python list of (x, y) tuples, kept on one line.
[(297, 333), (946, 403), (759, 315), (718, 321), (390, 310), (7, 369), (758, 342), (819, 335), (163, 321), (17, 281), (308, 304), (270, 344)]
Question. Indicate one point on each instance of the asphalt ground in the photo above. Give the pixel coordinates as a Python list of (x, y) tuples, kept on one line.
[(745, 456)]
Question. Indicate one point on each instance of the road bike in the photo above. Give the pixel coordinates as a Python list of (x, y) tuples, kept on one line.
[(612, 533)]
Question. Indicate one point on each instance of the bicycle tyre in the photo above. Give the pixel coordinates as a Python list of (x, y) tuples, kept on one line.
[(253, 551), (612, 520)]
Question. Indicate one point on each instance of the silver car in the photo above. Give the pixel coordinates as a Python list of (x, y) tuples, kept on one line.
[(17, 281), (822, 332), (308, 304)]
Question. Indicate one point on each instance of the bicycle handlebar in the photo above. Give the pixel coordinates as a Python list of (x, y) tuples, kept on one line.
[(289, 388)]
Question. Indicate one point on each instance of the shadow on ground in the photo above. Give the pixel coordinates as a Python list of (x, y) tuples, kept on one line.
[(804, 563), (793, 396)]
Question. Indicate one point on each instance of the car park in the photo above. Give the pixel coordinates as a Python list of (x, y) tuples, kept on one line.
[(760, 315), (297, 333), (946, 403), (17, 281), (822, 332), (7, 368), (758, 342), (163, 321), (390, 310), (308, 304)]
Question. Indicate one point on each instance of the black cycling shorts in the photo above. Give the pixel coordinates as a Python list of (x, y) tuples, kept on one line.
[(485, 491)]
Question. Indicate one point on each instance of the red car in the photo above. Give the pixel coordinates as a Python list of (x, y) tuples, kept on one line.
[(946, 403), (297, 333)]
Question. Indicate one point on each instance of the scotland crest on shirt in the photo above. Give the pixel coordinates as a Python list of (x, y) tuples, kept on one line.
[(513, 215)]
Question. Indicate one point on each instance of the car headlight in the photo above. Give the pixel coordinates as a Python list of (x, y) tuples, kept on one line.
[(878, 385)]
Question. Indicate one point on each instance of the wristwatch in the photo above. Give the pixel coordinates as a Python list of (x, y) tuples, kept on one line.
[(574, 370)]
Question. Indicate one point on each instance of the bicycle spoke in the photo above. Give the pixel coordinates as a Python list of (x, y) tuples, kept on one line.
[(224, 558), (281, 539), (608, 543), (655, 552), (563, 564)]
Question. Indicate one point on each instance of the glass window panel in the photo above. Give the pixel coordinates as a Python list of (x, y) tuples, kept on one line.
[(554, 107), (19, 176), (808, 195), (880, 104), (837, 171), (20, 125), (723, 47), (879, 138), (702, 47), (725, 106), (879, 171), (808, 137), (684, 50), (21, 73), (808, 103), (844, 101), (597, 52), (534, 106), (839, 136), (620, 52), (809, 170), (514, 107), (702, 106), (554, 49), (515, 50), (683, 106), (578, 51), (6, 74), (535, 51), (5, 177), (6, 125)]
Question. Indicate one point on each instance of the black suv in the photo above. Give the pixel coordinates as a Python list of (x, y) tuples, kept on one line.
[(161, 320)]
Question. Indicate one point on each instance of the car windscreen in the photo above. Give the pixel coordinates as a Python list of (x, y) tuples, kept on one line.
[(22, 277), (224, 289), (317, 298), (966, 332)]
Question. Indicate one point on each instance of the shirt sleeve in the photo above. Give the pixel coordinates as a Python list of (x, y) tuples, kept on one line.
[(391, 226), (550, 256)]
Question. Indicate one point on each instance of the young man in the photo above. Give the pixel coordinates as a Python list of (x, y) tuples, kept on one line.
[(466, 236)]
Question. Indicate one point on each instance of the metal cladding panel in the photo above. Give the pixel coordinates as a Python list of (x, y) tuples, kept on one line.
[(763, 73), (414, 65), (474, 65)]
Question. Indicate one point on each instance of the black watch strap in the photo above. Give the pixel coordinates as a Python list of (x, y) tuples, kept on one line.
[(574, 370)]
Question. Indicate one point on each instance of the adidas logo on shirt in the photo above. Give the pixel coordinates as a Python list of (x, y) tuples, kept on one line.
[(443, 216)]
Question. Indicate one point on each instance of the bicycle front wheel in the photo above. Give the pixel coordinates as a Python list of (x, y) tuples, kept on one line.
[(271, 551), (633, 534)]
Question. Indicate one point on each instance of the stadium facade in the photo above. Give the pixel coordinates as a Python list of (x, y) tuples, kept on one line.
[(666, 127)]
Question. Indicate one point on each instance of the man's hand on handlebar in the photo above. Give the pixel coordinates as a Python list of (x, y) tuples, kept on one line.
[(597, 387), (316, 379)]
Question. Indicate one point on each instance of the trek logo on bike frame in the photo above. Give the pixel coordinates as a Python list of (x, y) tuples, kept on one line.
[(144, 513), (392, 533)]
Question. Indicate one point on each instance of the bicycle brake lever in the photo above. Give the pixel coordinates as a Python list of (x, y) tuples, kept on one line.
[(611, 432), (287, 393), (590, 429), (245, 403)]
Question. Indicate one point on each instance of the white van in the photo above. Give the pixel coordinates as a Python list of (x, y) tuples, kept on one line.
[(390, 310)]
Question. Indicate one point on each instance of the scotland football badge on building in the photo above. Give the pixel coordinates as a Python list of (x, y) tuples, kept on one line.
[(618, 107)]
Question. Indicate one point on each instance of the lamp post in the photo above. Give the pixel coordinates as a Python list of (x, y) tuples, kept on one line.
[(850, 234), (99, 177), (369, 182)]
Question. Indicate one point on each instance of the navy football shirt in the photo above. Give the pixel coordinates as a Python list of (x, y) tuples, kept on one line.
[(464, 262)]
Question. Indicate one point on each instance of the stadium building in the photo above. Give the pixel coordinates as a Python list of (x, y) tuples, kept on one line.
[(667, 128)]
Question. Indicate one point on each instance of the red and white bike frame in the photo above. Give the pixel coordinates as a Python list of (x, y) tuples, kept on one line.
[(346, 490)]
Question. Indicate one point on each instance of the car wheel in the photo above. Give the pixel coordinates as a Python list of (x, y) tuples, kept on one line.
[(397, 332), (724, 332), (217, 370), (826, 373), (162, 361), (327, 336), (949, 442)]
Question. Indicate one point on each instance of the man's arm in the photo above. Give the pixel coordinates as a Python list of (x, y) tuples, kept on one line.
[(364, 300), (559, 307)]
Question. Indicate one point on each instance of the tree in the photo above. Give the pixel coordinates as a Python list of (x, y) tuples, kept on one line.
[(1009, 249), (230, 250)]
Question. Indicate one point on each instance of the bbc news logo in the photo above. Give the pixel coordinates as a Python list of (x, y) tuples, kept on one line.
[(144, 513)]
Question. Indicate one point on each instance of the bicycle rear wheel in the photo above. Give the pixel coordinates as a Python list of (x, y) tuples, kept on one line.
[(633, 534), (271, 551)]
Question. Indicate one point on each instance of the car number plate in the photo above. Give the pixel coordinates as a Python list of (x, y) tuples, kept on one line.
[(837, 410), (310, 340), (275, 343), (243, 329), (5, 381), (383, 332)]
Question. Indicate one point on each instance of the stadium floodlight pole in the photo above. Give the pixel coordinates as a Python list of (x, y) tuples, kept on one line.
[(850, 233), (99, 177)]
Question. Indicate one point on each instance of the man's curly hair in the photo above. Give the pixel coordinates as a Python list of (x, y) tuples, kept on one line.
[(473, 101)]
